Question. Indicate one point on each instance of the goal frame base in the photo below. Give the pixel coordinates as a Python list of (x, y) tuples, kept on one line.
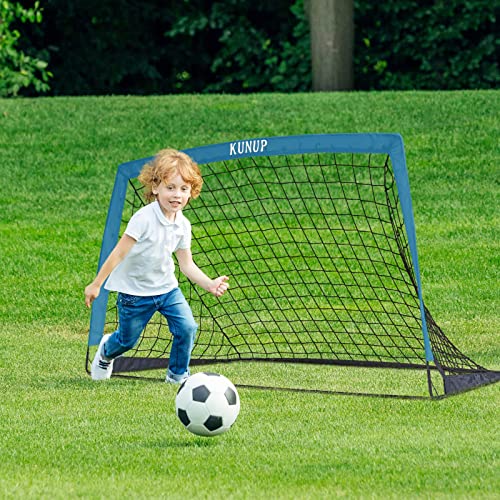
[(452, 384)]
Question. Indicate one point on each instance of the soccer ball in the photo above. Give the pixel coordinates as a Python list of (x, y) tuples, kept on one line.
[(207, 404)]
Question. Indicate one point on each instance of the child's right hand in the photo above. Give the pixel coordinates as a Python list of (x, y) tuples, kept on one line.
[(91, 293)]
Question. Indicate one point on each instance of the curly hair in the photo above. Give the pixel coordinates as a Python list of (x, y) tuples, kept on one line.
[(166, 164)]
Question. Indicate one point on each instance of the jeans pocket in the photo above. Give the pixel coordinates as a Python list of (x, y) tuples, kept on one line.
[(125, 299)]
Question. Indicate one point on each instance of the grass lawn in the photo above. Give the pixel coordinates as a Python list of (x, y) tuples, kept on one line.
[(63, 436)]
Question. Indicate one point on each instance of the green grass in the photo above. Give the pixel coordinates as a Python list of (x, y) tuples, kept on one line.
[(64, 436)]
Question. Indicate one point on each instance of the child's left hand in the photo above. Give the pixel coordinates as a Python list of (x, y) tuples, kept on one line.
[(219, 286)]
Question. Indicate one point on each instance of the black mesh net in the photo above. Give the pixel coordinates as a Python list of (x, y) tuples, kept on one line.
[(319, 264)]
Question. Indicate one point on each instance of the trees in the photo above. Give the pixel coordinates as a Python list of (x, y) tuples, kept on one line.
[(167, 46)]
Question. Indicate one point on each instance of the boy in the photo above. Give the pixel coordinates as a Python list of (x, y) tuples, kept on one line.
[(141, 268)]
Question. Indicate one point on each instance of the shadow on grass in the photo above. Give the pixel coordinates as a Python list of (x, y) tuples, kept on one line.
[(185, 440)]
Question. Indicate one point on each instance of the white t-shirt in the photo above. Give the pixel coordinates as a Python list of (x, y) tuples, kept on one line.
[(148, 269)]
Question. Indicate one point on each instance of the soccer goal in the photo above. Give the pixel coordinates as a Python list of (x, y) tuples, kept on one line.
[(317, 235)]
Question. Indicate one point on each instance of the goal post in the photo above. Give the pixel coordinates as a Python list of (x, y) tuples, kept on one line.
[(318, 236)]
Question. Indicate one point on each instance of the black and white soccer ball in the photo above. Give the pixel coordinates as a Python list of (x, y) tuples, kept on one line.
[(207, 404)]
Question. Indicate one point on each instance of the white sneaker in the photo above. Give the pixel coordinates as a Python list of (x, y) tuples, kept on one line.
[(170, 380), (101, 368)]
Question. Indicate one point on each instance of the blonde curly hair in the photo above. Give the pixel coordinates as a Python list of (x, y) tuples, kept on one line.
[(165, 165)]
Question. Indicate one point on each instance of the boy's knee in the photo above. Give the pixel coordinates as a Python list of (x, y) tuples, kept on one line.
[(192, 328), (189, 329)]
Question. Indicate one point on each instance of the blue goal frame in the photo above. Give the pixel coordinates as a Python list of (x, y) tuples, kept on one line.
[(367, 143)]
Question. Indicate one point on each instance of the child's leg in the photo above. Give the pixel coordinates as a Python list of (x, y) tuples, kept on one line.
[(134, 312), (183, 328)]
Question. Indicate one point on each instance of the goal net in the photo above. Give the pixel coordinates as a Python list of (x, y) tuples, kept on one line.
[(317, 235)]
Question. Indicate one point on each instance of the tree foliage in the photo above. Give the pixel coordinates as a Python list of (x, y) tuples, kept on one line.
[(188, 46), (18, 69), (257, 46), (426, 44)]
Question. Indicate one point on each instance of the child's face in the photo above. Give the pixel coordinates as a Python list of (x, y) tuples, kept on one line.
[(172, 195)]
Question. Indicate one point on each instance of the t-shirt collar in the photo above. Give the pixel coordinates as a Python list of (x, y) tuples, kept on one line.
[(161, 216)]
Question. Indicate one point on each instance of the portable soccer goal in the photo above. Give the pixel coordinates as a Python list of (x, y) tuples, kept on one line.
[(317, 235)]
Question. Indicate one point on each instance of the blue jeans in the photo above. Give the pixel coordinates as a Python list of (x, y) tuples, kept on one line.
[(134, 313)]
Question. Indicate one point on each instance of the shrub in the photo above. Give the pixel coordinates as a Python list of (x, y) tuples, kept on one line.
[(18, 69)]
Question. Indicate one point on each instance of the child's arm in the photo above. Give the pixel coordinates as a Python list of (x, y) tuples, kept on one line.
[(216, 287), (121, 249)]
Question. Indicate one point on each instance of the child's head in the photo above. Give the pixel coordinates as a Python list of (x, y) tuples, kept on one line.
[(166, 164)]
